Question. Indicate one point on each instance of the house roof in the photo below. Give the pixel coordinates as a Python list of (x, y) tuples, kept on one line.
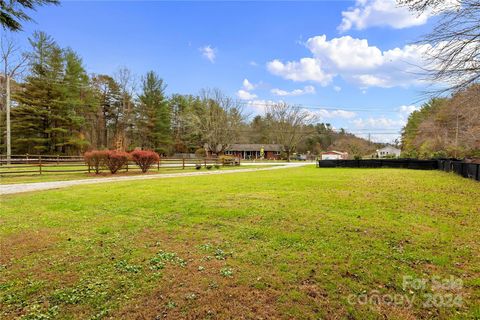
[(254, 147), (334, 152)]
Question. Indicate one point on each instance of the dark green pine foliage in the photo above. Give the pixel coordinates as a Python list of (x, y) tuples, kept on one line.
[(48, 117), (36, 120), (154, 115), (78, 99)]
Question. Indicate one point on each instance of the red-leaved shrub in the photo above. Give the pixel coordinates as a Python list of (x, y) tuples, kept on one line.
[(145, 158), (115, 160), (96, 159)]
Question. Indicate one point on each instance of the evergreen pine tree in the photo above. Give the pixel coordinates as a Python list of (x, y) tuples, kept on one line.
[(154, 115)]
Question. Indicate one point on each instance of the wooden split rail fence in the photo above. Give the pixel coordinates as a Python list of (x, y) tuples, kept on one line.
[(40, 164)]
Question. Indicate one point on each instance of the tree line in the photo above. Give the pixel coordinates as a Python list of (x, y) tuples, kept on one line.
[(445, 127), (58, 108)]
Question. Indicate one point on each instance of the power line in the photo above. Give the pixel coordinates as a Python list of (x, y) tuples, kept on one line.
[(318, 107)]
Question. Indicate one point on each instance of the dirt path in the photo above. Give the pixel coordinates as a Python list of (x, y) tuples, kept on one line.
[(37, 186)]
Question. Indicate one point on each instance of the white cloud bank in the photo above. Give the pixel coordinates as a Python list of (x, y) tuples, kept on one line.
[(245, 95), (378, 123), (296, 92), (381, 13), (209, 53), (319, 114), (391, 126), (329, 114), (383, 122), (307, 69), (356, 61)]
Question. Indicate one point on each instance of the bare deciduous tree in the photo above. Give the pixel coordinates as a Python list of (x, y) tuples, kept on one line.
[(125, 117), (455, 40), (13, 61), (287, 125), (219, 122)]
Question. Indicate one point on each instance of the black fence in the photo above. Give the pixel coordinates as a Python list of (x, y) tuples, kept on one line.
[(465, 169)]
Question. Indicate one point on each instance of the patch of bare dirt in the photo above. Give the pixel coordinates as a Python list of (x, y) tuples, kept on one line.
[(19, 245)]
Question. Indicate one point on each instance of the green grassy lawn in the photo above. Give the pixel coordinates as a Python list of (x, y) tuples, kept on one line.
[(299, 243), (54, 175)]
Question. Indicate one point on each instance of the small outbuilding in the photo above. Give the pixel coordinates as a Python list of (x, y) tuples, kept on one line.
[(388, 152), (334, 155)]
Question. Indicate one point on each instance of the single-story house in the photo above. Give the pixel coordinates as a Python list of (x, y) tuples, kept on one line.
[(254, 151), (388, 151), (334, 155)]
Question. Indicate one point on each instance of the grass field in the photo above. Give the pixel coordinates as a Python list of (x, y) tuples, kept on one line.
[(300, 243), (54, 175)]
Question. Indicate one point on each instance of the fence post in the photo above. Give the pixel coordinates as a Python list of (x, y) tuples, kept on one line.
[(478, 172), (58, 156), (40, 164), (183, 163), (127, 166), (205, 162), (158, 165)]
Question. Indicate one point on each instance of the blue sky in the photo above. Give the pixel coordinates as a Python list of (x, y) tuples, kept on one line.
[(354, 56)]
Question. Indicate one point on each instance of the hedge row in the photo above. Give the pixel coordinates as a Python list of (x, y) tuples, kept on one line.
[(116, 160)]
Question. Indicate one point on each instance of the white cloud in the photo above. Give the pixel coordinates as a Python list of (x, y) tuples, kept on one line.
[(260, 105), (307, 69), (337, 88), (296, 92), (345, 53), (379, 13), (378, 123), (356, 61), (323, 114), (379, 137), (406, 110), (253, 63), (209, 53), (327, 114), (245, 95), (247, 85), (385, 129)]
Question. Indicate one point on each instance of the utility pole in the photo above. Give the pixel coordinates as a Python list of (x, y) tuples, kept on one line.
[(9, 51), (456, 136)]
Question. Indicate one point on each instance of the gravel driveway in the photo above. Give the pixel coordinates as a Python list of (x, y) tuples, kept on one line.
[(37, 186)]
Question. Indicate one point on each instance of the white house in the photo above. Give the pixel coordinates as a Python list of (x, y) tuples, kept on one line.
[(388, 151), (334, 155)]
